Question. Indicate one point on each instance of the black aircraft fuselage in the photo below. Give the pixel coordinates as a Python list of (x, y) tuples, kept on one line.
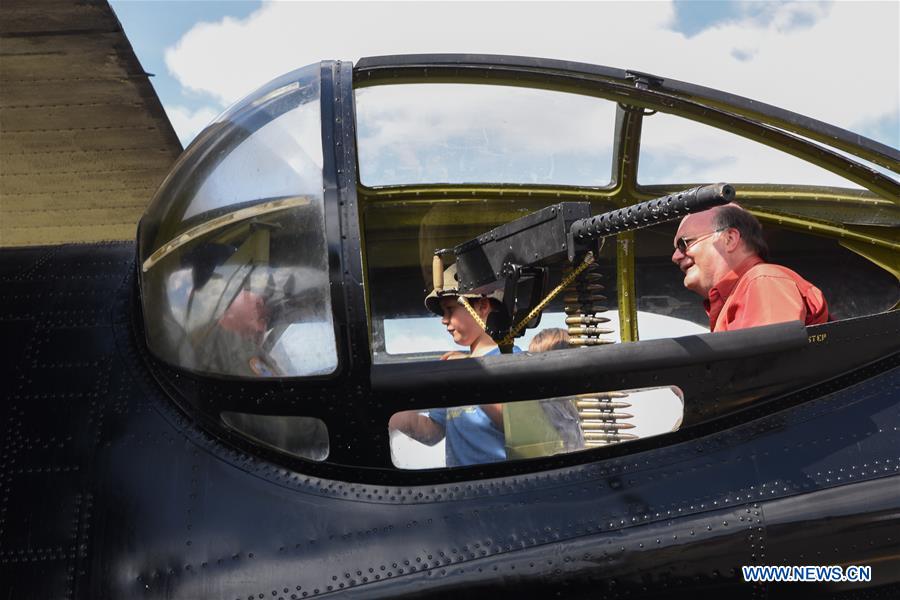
[(122, 478), (111, 491)]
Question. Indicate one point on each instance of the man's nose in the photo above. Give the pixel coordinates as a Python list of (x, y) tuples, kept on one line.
[(677, 255)]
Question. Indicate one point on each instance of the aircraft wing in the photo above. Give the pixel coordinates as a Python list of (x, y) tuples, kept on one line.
[(84, 140)]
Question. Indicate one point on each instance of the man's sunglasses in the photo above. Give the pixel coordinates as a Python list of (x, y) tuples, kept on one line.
[(683, 243)]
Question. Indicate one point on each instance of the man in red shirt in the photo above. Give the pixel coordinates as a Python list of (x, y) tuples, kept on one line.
[(722, 254)]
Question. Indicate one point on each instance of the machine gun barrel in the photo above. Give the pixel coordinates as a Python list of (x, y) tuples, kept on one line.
[(523, 250), (564, 231), (651, 212)]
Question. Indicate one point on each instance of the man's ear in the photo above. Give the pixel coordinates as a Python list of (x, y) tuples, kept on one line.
[(732, 239)]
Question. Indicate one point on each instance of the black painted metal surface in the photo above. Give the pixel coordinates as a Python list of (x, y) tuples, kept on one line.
[(110, 491)]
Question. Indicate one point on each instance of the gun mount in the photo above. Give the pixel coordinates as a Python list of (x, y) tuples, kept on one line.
[(516, 257)]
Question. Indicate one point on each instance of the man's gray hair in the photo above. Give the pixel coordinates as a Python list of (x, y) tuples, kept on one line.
[(732, 216)]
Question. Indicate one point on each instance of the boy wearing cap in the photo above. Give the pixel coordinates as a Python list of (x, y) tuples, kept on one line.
[(474, 434)]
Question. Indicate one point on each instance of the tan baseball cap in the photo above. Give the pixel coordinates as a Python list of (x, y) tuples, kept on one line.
[(451, 289)]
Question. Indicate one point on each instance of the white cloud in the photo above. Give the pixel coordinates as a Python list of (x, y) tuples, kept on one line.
[(805, 57), (230, 58), (838, 62), (816, 69), (188, 123), (781, 15)]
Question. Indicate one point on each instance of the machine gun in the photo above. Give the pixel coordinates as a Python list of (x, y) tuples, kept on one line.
[(516, 257)]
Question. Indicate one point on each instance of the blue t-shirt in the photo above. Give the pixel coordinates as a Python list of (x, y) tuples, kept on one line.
[(471, 437)]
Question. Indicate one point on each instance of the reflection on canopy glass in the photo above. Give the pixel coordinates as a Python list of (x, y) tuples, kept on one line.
[(676, 149), (306, 437), (451, 133), (234, 266)]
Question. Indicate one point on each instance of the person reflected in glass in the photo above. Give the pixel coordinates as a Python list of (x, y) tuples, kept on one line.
[(473, 434)]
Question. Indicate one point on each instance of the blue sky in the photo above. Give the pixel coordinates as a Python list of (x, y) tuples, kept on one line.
[(207, 54), (693, 16), (154, 26)]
